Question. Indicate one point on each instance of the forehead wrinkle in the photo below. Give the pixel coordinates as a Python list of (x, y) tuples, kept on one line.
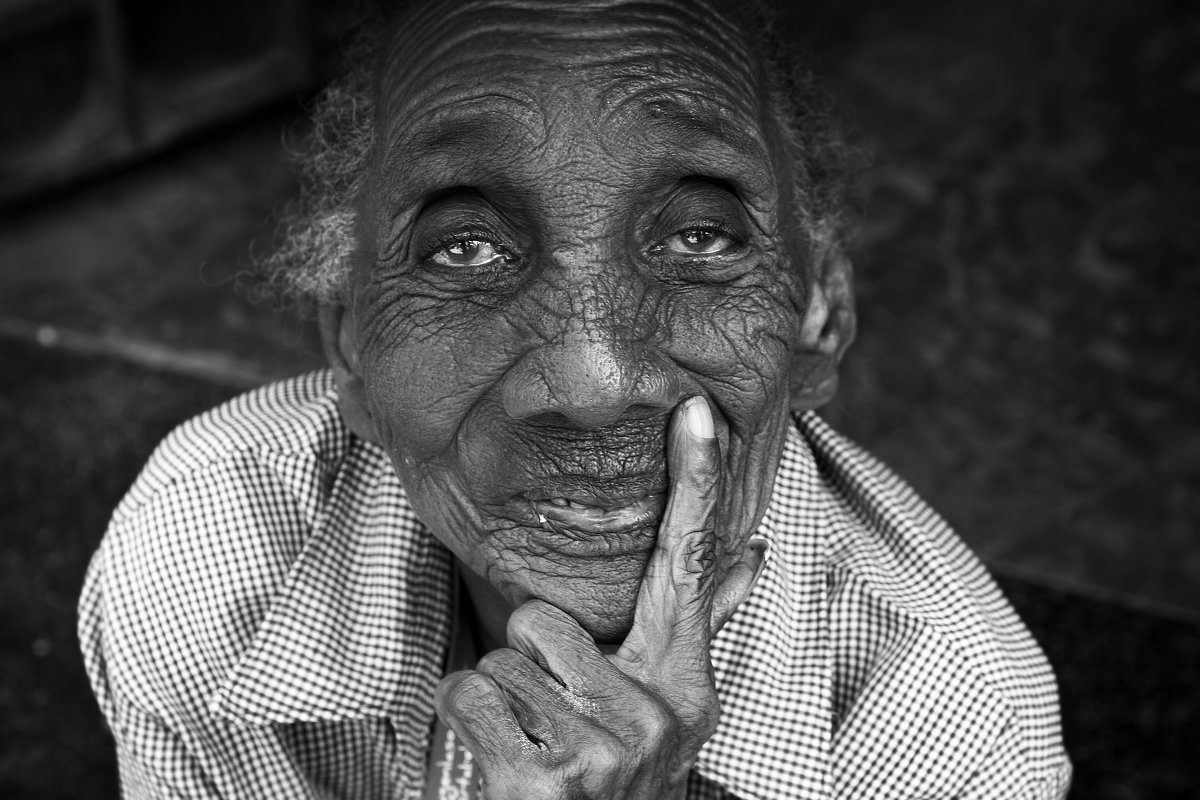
[(483, 119), (579, 20), (433, 135), (650, 72), (477, 152), (690, 110), (698, 133), (481, 35), (438, 103)]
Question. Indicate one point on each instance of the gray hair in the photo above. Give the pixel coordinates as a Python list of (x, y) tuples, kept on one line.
[(313, 256)]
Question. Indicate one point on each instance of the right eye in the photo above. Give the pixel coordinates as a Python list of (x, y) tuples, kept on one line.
[(468, 253)]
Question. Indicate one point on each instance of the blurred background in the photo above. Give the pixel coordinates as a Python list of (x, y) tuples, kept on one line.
[(1028, 291)]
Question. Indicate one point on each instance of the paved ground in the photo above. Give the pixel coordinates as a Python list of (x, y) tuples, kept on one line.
[(1028, 281), (1027, 358)]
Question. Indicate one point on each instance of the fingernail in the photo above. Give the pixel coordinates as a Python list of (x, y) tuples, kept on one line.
[(758, 543), (699, 418), (762, 547)]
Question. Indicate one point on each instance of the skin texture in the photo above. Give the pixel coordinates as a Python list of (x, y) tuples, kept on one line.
[(573, 223)]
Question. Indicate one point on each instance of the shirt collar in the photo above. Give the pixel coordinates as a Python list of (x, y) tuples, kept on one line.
[(773, 659), (361, 625)]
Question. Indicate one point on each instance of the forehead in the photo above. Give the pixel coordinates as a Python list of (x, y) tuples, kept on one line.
[(487, 74)]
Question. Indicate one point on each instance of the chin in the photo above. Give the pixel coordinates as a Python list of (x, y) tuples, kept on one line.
[(602, 608), (608, 628)]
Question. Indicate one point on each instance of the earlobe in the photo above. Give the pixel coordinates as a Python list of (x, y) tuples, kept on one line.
[(826, 333), (340, 345)]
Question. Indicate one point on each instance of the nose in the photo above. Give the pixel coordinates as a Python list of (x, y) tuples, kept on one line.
[(590, 379)]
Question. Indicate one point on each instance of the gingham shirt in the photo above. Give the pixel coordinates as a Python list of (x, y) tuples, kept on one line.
[(267, 618)]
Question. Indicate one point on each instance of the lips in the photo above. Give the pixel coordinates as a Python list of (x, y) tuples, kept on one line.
[(585, 517), (569, 515)]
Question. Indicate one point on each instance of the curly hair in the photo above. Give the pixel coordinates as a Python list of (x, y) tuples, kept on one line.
[(311, 261)]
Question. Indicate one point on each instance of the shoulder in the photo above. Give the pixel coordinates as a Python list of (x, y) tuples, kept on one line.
[(205, 538), (293, 418), (932, 669)]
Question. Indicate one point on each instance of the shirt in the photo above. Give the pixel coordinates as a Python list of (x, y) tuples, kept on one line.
[(266, 617)]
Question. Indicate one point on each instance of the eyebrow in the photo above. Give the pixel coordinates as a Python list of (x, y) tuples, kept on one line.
[(437, 122), (442, 127), (705, 127)]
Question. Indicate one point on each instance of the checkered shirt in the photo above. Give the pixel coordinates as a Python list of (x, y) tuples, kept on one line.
[(267, 618)]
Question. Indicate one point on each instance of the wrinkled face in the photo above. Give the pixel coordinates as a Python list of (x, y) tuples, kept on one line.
[(573, 226)]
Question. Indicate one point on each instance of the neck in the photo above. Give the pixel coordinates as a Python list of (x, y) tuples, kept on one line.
[(487, 611)]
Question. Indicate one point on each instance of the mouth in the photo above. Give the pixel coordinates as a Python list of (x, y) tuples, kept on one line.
[(599, 520), (569, 514)]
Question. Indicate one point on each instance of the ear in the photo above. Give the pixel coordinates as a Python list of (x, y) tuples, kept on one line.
[(340, 345), (827, 331)]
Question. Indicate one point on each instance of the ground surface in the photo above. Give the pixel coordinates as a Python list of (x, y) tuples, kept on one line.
[(1027, 357), (1028, 279)]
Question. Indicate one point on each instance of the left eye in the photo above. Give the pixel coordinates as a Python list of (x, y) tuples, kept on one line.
[(467, 253), (700, 242)]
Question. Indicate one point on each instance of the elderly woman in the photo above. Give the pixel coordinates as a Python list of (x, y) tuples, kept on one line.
[(547, 527)]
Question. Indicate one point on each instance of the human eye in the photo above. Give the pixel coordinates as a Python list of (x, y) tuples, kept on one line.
[(701, 240), (468, 252)]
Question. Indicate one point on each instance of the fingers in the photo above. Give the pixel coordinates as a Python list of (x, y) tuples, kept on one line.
[(553, 640), (674, 605), (550, 715), (475, 708), (526, 731), (739, 580), (551, 680)]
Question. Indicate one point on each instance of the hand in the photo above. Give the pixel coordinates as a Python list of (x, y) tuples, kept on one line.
[(553, 717)]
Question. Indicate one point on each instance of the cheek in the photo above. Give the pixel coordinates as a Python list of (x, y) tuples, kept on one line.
[(737, 342), (426, 362)]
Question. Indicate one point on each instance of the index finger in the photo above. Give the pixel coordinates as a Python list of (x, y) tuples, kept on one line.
[(674, 602)]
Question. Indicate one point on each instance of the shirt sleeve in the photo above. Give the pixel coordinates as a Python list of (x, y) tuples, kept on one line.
[(1005, 767), (171, 747), (153, 761), (920, 713), (158, 630)]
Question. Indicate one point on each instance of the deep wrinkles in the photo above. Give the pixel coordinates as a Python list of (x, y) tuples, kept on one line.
[(619, 25), (625, 44), (628, 447)]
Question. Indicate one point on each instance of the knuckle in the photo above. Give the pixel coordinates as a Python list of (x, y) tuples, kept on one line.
[(539, 786), (497, 661), (468, 691), (700, 556), (533, 620), (529, 617), (657, 726), (603, 756)]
